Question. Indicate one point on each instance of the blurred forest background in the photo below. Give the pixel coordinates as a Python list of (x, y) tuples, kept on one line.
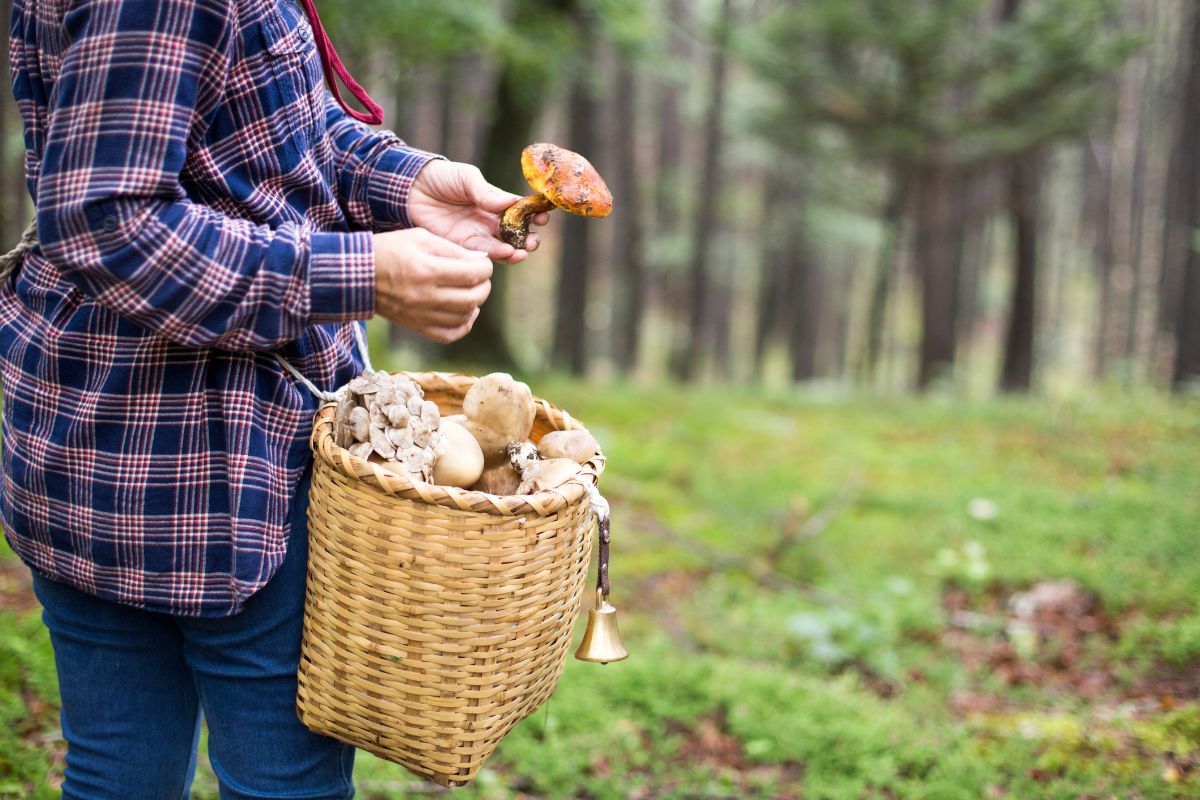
[(872, 192), (877, 193)]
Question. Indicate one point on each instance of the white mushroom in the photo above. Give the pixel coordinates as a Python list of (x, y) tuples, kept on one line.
[(577, 445), (342, 434), (360, 424), (541, 475), (397, 414), (499, 410), (381, 444), (500, 479), (459, 461), (430, 413), (364, 384)]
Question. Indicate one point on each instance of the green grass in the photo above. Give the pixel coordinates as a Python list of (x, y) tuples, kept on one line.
[(781, 562)]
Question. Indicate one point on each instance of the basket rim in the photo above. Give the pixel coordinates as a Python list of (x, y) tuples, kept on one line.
[(541, 503)]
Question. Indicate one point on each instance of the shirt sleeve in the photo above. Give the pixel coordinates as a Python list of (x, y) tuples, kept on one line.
[(139, 80), (375, 170)]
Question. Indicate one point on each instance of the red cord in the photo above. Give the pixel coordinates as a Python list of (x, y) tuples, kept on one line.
[(334, 66)]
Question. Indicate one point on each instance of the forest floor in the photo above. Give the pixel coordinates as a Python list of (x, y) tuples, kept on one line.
[(841, 597)]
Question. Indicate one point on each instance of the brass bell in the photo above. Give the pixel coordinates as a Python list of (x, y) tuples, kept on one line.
[(601, 640)]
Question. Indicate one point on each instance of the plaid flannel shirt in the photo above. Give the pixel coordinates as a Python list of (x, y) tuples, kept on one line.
[(201, 201)]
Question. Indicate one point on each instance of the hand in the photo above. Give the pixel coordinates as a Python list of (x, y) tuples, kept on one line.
[(429, 285), (454, 201)]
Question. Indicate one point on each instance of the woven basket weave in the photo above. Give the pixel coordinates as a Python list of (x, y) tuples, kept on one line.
[(436, 618)]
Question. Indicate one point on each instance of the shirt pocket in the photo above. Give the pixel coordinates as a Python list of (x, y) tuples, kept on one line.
[(277, 87)]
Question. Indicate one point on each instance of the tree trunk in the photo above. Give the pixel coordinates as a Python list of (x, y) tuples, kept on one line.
[(805, 307), (1137, 212), (937, 246), (1024, 193), (669, 282), (980, 198), (885, 265), (669, 122), (706, 221), (772, 287), (720, 322), (1186, 306), (1187, 327), (1024, 182), (447, 81), (629, 281), (570, 333), (12, 208), (1103, 254), (508, 130)]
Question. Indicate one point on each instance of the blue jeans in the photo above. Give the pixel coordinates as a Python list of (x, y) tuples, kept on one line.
[(134, 684)]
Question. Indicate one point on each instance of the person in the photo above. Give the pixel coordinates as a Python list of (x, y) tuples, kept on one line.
[(202, 202)]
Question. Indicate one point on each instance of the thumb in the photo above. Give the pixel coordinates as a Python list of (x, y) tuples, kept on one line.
[(491, 198)]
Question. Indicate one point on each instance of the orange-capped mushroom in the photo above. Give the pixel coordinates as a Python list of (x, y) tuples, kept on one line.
[(561, 179)]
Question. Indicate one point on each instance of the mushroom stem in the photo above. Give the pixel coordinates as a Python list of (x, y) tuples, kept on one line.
[(514, 225)]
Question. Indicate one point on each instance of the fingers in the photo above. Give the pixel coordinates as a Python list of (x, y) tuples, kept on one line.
[(448, 334), (466, 271), (459, 300), (541, 218)]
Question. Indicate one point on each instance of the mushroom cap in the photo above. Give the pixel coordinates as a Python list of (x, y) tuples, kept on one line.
[(566, 179)]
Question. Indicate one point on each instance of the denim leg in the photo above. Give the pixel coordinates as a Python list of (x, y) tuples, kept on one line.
[(129, 708), (245, 670)]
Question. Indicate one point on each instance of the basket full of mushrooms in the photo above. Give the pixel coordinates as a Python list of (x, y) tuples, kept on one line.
[(450, 528)]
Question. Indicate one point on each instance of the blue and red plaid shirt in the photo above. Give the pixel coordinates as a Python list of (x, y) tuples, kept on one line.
[(201, 201)]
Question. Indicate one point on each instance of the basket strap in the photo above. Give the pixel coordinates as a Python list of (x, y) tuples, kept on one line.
[(602, 510), (13, 258), (359, 338)]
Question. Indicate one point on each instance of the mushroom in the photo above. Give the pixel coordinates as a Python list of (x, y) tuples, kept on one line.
[(519, 454), (547, 474), (499, 411), (343, 435), (499, 479), (559, 178), (460, 462), (577, 445), (360, 424)]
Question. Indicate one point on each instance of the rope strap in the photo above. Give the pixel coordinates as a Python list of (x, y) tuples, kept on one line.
[(13, 258), (360, 339)]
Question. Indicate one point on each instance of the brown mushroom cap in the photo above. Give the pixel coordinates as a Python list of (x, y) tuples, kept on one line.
[(566, 179)]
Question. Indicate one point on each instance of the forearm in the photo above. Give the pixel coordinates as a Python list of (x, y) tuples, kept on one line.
[(375, 171), (206, 280)]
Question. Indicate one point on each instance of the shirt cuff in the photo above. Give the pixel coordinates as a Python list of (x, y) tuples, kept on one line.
[(390, 181), (341, 277)]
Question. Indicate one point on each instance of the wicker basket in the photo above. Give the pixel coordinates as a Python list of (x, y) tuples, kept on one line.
[(436, 618)]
